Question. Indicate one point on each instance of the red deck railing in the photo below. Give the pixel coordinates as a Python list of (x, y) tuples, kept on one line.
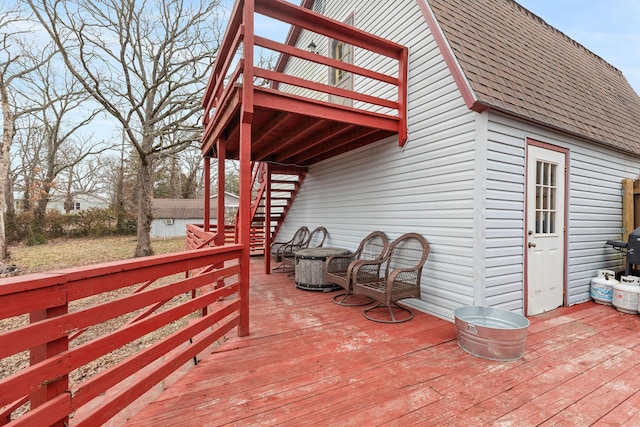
[(53, 318), (237, 48), (198, 238)]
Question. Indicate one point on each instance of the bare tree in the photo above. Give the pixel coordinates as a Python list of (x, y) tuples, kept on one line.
[(87, 176), (27, 158), (18, 59), (145, 63), (175, 171), (64, 114), (191, 161)]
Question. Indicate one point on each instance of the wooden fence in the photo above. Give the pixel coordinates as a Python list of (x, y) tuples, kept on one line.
[(630, 207)]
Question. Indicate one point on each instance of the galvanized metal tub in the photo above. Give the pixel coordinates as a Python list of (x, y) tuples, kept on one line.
[(491, 333)]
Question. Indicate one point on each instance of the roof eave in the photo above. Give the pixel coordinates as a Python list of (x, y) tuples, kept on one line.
[(450, 59), (480, 106)]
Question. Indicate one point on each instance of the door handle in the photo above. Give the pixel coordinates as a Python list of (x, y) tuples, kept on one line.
[(531, 245)]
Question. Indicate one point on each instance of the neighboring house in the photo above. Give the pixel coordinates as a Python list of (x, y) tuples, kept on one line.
[(518, 139), (81, 201), (500, 106), (171, 216), (18, 203)]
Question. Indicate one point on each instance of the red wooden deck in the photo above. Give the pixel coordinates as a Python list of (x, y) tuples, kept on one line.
[(309, 361)]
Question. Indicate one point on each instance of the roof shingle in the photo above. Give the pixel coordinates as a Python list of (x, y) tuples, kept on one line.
[(517, 63)]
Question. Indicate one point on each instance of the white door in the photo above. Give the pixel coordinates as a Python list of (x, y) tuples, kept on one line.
[(544, 240)]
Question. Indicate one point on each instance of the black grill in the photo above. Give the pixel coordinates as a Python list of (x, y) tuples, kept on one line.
[(630, 249)]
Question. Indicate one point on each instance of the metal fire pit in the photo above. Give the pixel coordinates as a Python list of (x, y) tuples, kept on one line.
[(491, 333)]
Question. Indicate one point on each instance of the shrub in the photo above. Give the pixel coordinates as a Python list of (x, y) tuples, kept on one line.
[(90, 223), (36, 238)]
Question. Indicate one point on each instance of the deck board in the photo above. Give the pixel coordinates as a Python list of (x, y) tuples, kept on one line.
[(309, 361)]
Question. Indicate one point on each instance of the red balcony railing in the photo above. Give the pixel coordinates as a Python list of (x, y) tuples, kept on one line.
[(378, 104)]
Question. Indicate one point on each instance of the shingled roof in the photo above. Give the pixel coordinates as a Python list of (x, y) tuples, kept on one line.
[(180, 208), (518, 64)]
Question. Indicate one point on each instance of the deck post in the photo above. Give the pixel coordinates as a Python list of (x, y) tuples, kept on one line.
[(246, 117), (267, 218), (207, 194), (628, 221), (222, 151), (56, 387), (403, 82)]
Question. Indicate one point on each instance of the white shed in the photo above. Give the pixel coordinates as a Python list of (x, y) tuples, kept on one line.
[(171, 216)]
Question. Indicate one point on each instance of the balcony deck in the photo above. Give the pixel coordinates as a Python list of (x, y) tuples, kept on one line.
[(294, 114), (289, 129), (309, 361)]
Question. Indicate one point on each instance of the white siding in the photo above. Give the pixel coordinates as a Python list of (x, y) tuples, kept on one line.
[(426, 187), (168, 228), (505, 182), (86, 201), (595, 213), (460, 182), (595, 210)]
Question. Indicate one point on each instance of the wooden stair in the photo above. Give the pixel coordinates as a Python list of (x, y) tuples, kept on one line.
[(276, 187)]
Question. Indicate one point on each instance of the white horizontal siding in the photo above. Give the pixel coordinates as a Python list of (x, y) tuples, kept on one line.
[(594, 203), (178, 228), (459, 181), (426, 187), (595, 213), (504, 199)]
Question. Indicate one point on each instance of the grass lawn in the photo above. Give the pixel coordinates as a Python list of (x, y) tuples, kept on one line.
[(67, 253)]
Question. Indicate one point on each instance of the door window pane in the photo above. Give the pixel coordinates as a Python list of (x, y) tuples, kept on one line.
[(546, 197)]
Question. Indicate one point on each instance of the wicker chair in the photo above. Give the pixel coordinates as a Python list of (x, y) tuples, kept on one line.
[(280, 249), (338, 268), (400, 270), (315, 240)]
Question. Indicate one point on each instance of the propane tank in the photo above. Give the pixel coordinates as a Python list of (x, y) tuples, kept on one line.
[(602, 286), (630, 280), (626, 293)]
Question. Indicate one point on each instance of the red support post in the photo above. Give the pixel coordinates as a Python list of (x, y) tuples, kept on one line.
[(207, 193), (246, 116), (222, 152), (403, 82), (57, 386), (220, 212), (267, 218)]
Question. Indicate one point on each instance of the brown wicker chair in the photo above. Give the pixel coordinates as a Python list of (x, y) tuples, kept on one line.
[(338, 268), (400, 270), (315, 240), (280, 249)]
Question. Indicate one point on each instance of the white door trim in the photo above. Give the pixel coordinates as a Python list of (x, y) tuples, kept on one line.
[(527, 226)]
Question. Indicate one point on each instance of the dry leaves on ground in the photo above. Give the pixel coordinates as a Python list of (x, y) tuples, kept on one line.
[(77, 252)]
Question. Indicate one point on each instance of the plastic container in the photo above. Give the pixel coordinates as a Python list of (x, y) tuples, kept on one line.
[(602, 286), (625, 294)]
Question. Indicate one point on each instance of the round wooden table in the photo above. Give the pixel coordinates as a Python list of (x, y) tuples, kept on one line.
[(309, 268)]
